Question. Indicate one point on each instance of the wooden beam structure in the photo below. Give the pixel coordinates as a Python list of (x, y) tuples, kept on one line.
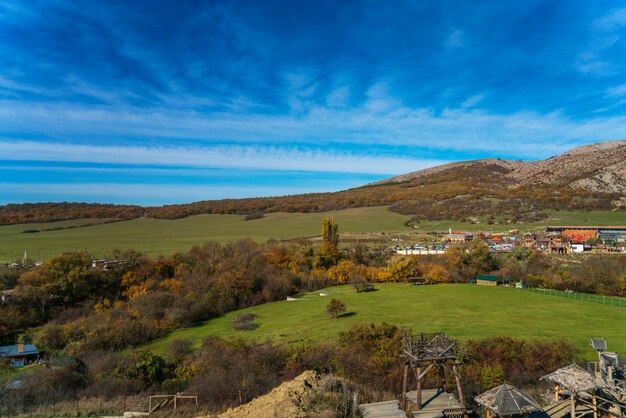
[(424, 353)]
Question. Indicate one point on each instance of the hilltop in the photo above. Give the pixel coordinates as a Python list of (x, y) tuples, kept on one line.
[(590, 177), (599, 167)]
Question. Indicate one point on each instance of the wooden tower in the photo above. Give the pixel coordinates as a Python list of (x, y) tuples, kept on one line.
[(424, 352)]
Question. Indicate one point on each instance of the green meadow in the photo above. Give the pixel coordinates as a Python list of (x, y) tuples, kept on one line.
[(163, 237), (463, 311)]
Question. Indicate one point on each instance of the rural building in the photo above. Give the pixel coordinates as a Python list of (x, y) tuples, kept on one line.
[(530, 240), (488, 280), (580, 235), (613, 233), (558, 244), (20, 354), (458, 237)]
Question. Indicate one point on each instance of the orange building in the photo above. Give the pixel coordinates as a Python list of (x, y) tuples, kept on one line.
[(580, 235)]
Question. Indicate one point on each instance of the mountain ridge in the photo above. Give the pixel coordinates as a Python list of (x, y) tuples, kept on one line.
[(589, 177), (571, 167)]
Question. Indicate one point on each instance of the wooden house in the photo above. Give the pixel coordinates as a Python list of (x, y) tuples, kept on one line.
[(20, 354), (530, 240), (558, 244)]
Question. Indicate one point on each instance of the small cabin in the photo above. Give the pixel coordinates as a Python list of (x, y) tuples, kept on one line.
[(488, 280), (20, 354)]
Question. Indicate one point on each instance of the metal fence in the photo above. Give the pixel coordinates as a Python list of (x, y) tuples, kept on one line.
[(585, 297)]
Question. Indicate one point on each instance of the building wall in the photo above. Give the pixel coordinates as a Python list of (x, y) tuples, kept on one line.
[(584, 234)]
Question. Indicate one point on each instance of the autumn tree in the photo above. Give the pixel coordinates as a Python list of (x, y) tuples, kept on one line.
[(399, 269), (329, 252), (469, 260)]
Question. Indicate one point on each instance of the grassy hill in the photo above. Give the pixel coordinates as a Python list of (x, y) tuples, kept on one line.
[(464, 311), (164, 237)]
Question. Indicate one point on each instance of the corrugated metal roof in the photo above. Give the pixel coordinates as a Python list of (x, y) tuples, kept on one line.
[(13, 350), (491, 278)]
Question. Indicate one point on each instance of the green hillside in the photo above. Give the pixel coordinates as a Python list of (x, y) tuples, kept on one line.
[(164, 237), (464, 311)]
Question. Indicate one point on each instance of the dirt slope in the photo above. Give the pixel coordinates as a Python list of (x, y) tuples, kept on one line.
[(286, 401)]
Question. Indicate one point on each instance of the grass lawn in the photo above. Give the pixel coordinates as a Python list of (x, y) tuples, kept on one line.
[(464, 311)]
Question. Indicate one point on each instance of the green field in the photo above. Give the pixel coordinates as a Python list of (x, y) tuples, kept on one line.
[(164, 237), (159, 236), (464, 311)]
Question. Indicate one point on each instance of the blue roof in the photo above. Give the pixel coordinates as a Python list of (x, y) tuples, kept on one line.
[(12, 351)]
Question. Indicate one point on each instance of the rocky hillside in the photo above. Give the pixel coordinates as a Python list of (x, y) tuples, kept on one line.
[(599, 167)]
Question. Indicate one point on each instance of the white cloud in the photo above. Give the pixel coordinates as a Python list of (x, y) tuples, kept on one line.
[(611, 21), (606, 32), (617, 91), (249, 157), (380, 120), (473, 101)]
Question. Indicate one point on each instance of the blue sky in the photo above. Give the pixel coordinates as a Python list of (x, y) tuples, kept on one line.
[(158, 102)]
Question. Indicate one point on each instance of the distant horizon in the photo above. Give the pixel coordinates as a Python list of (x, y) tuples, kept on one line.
[(135, 104), (269, 175)]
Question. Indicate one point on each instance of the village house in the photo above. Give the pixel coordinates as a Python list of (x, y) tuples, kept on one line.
[(558, 244), (458, 237), (20, 354), (530, 240)]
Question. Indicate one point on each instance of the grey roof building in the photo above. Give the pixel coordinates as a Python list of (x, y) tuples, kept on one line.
[(506, 400)]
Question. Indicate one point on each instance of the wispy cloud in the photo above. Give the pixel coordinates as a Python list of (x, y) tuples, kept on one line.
[(249, 157), (380, 119), (615, 19), (606, 33), (309, 86), (617, 91)]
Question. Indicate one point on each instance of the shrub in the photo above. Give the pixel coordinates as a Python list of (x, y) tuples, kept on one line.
[(247, 326), (335, 308), (248, 317), (252, 216)]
